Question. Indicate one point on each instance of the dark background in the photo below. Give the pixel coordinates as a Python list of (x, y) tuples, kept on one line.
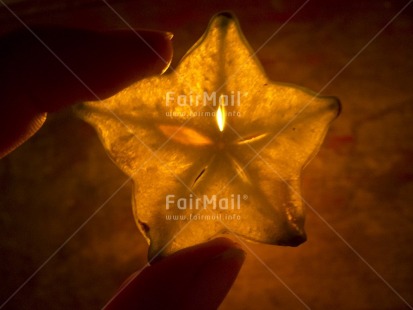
[(360, 186)]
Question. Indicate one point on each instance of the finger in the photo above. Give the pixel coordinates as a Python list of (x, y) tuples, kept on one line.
[(63, 66), (194, 278)]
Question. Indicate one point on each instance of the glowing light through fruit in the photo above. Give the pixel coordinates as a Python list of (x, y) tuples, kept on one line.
[(220, 116), (190, 160)]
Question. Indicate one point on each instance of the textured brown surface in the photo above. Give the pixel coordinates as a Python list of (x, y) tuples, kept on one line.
[(361, 183)]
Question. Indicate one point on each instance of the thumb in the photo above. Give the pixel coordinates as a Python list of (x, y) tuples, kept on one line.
[(50, 68), (198, 277)]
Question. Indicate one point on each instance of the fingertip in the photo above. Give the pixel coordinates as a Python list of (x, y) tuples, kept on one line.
[(216, 278), (122, 57), (100, 64), (198, 277), (68, 65)]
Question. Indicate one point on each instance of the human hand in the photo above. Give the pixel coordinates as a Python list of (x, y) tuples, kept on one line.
[(93, 66), (198, 277), (52, 68)]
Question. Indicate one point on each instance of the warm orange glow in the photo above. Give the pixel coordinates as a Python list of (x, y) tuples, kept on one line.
[(184, 135), (188, 170), (252, 139), (220, 116)]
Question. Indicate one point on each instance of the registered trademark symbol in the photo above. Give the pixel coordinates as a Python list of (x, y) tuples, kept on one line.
[(245, 196)]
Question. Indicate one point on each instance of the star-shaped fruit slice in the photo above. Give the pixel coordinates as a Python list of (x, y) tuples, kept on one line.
[(214, 146)]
